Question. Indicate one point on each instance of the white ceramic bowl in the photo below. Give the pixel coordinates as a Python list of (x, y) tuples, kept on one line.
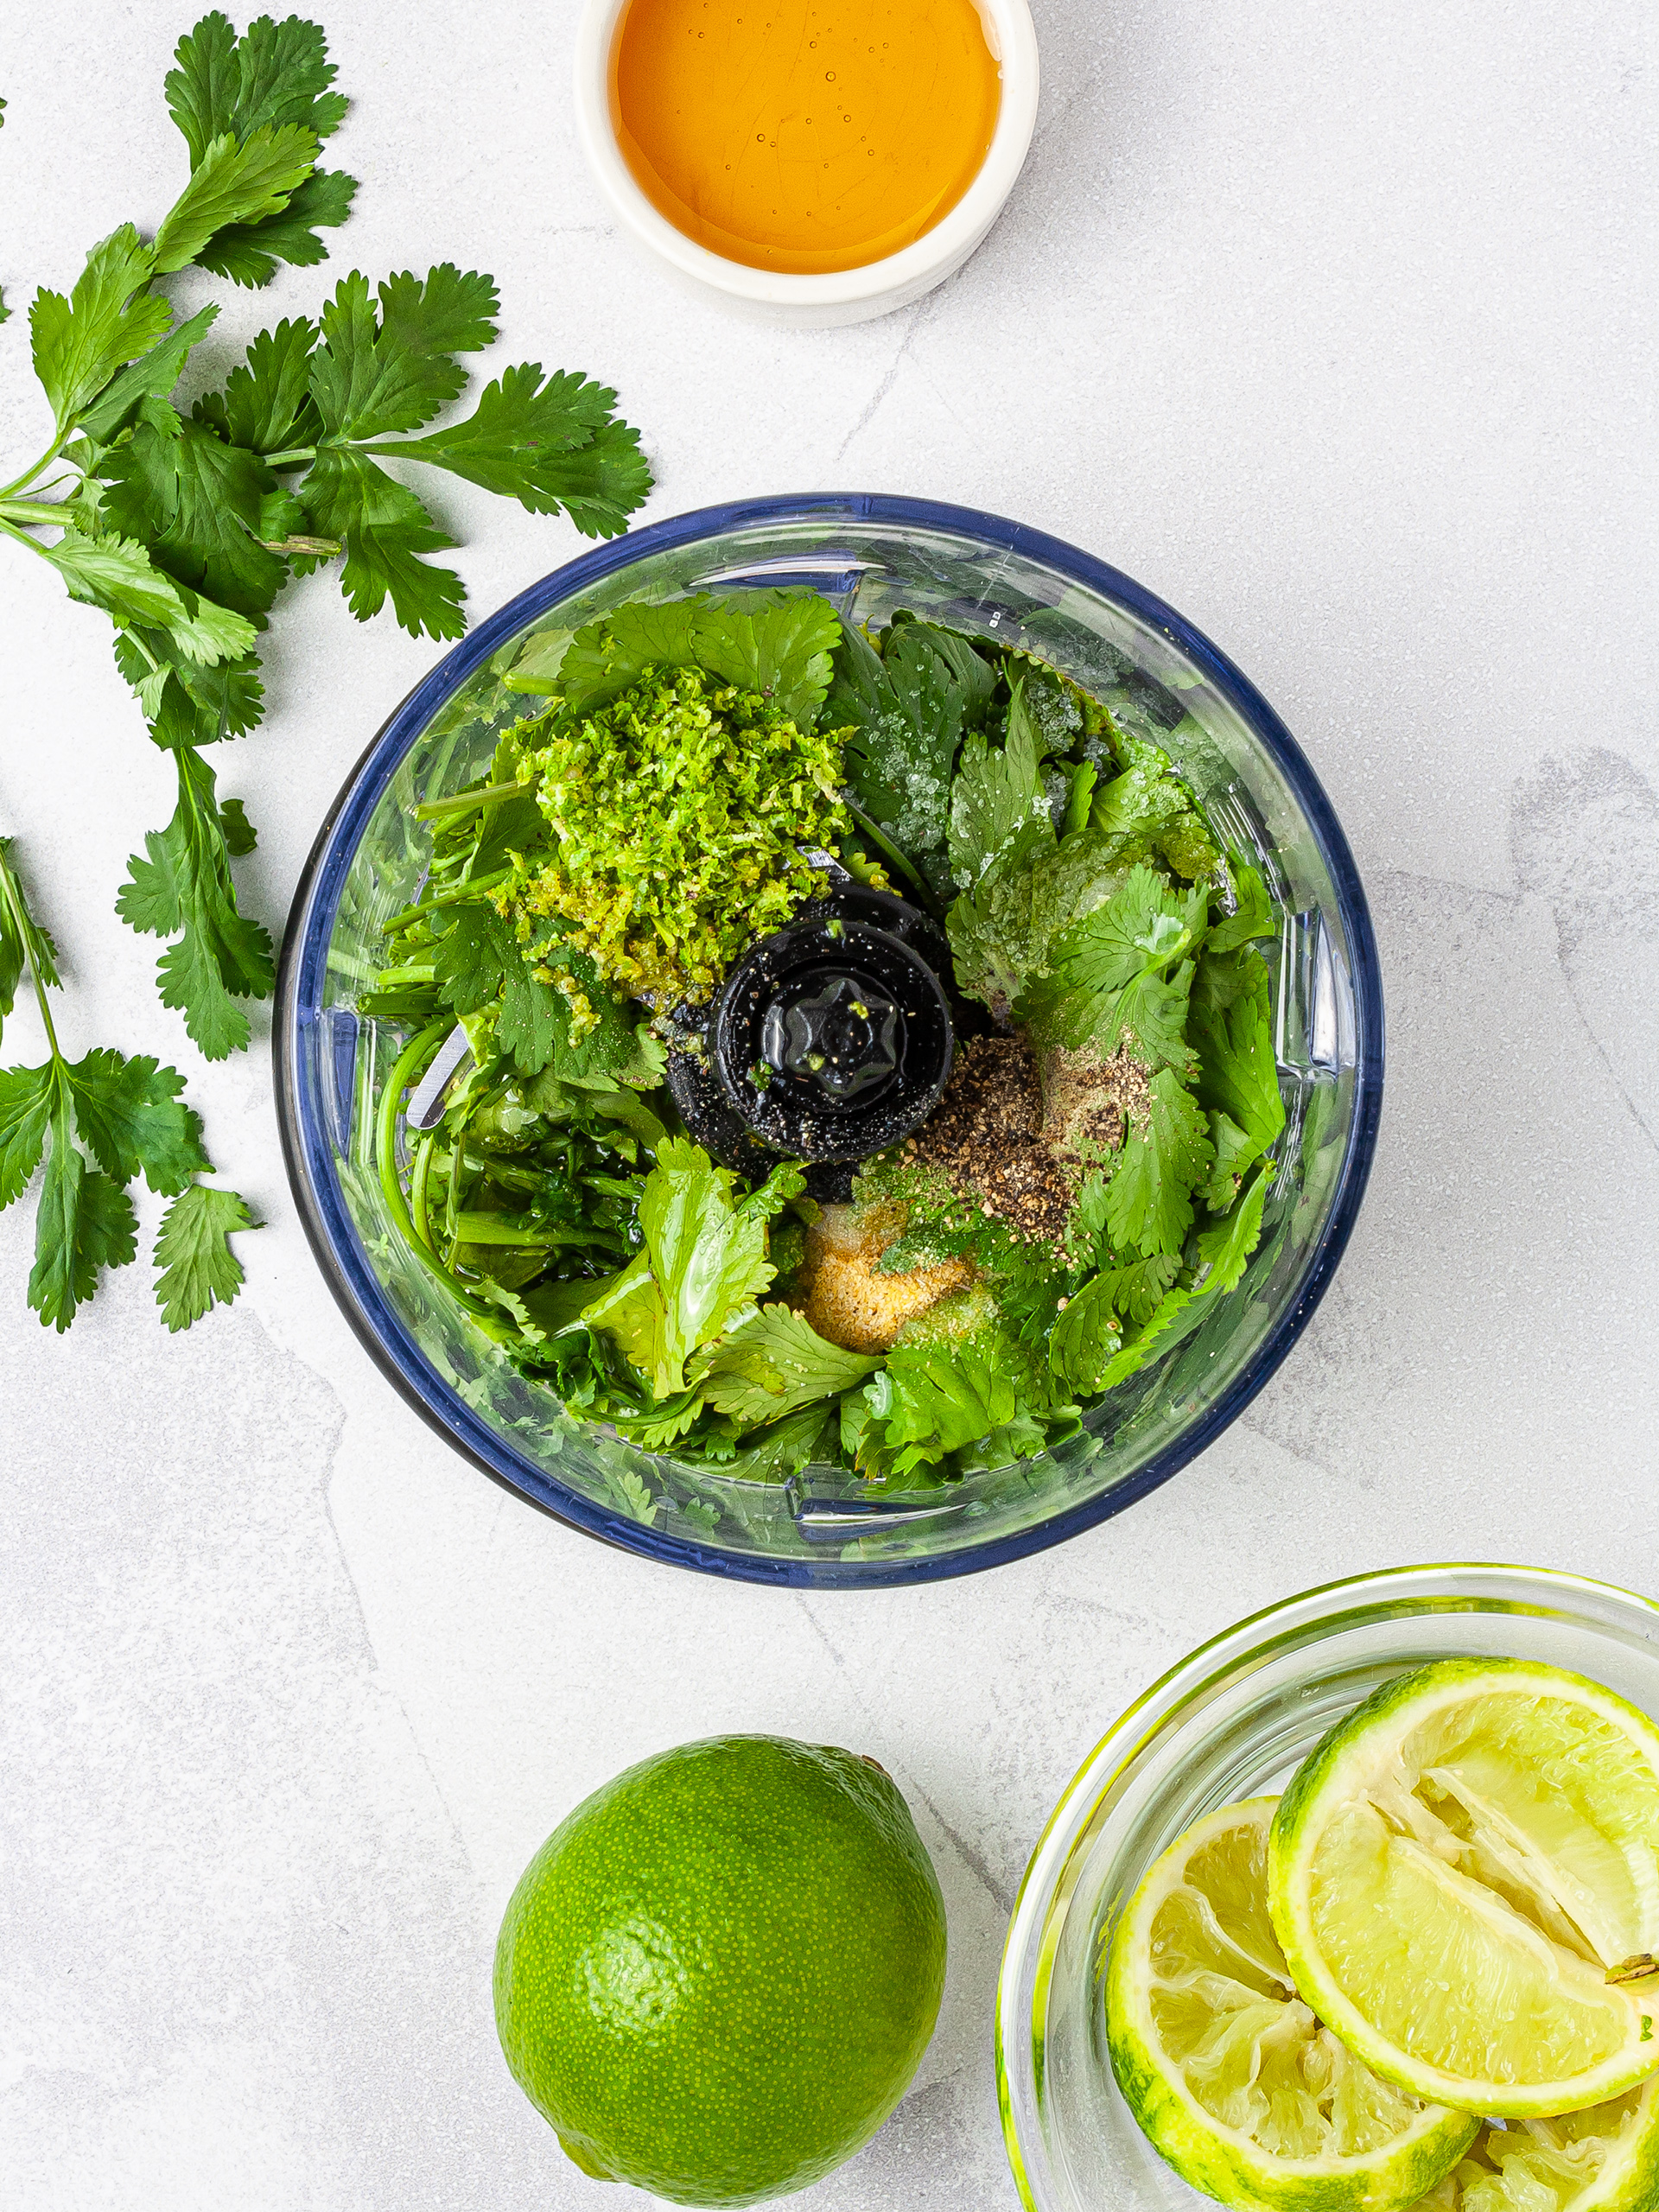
[(847, 294)]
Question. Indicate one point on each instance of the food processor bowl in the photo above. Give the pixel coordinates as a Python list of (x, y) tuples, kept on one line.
[(1233, 1721), (870, 556)]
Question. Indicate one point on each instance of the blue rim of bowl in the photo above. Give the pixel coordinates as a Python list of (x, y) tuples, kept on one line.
[(307, 1152)]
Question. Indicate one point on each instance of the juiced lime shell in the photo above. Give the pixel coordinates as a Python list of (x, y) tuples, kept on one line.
[(1463, 1876), (1234, 2081)]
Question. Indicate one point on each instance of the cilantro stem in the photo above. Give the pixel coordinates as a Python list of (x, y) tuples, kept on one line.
[(23, 538), (292, 458), (888, 850), (406, 1068), (36, 513), (14, 900), (45, 461), (463, 801), (453, 897), (419, 1179)]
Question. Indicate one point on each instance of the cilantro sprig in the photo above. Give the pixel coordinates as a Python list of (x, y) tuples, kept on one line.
[(183, 528), (93, 1126), (184, 525)]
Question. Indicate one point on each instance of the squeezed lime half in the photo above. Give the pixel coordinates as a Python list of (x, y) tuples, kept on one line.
[(1464, 1877), (1231, 2075), (1603, 2160)]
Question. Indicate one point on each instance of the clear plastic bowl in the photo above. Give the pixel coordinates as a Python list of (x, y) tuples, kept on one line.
[(1235, 1720), (870, 556)]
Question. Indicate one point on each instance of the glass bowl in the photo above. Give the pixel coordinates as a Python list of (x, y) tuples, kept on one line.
[(1235, 1720), (824, 1528)]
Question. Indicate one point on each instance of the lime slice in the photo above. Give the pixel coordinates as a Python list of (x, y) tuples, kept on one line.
[(1232, 2078), (1464, 1877), (1603, 2160)]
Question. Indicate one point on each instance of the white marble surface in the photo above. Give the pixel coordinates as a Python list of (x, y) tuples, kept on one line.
[(1330, 322)]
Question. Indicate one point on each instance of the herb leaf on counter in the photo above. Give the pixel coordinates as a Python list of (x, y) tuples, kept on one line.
[(183, 888), (278, 76), (92, 1126)]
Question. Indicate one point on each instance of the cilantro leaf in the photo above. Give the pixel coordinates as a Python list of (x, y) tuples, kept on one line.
[(771, 1455), (990, 930), (909, 637), (385, 529), (266, 404), (776, 643), (1001, 836), (283, 76), (184, 702), (606, 657), (478, 960), (128, 1115), (370, 374), (27, 1098), (1223, 1250), (1254, 914), (117, 574), (234, 182), (601, 484), (932, 1400), (273, 80), (616, 1050), (1082, 871), (108, 319), (199, 505), (1148, 811), (152, 376), (515, 440), (1086, 1337), (1135, 1290), (998, 806), (773, 1365), (84, 1222), (1150, 1201), (1230, 1025), (1235, 1149), (185, 885), (704, 1259), (1109, 980), (907, 710), (197, 1267), (250, 253), (202, 86)]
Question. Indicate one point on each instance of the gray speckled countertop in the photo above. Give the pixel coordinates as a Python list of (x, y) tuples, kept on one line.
[(1331, 323)]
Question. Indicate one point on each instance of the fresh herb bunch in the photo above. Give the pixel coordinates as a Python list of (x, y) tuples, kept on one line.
[(1089, 907), (183, 526), (98, 1122)]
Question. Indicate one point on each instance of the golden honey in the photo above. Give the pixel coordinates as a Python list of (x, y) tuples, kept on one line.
[(804, 137)]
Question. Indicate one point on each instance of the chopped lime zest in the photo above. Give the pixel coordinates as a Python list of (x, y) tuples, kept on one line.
[(679, 810)]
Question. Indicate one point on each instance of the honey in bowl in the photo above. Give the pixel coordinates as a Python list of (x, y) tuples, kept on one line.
[(803, 135)]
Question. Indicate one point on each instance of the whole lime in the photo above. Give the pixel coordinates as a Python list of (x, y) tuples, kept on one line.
[(718, 1975)]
